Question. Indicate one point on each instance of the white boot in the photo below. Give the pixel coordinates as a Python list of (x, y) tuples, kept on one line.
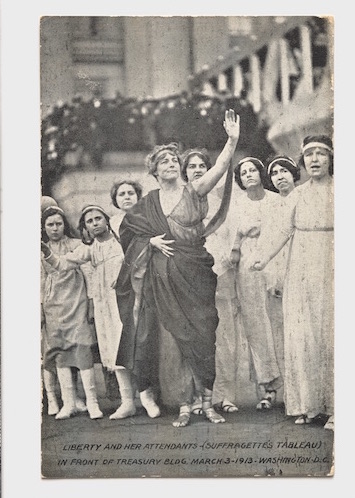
[(88, 379), (80, 405), (49, 385), (127, 407), (149, 404), (68, 393)]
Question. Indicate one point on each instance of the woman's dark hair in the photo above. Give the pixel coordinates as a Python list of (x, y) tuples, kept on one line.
[(85, 236), (287, 163), (321, 139), (113, 193), (51, 211), (258, 164), (201, 153)]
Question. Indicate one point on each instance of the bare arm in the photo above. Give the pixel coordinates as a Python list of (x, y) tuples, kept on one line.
[(269, 247), (260, 261), (206, 183), (235, 253)]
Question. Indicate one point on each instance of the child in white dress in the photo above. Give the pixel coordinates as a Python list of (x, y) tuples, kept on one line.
[(103, 249), (67, 337)]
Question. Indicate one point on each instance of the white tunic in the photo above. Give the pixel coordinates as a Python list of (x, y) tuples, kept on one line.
[(106, 258)]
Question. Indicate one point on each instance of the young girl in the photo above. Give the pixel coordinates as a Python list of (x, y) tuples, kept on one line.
[(103, 249), (67, 335)]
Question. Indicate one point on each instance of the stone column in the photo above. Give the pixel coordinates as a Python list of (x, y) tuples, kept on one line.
[(157, 56), (55, 61)]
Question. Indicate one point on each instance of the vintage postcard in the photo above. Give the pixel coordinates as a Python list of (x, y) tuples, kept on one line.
[(187, 291)]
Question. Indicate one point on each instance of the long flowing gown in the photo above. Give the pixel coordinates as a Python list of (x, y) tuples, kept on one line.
[(308, 301), (275, 274), (168, 300), (252, 216), (106, 258), (67, 336), (219, 244)]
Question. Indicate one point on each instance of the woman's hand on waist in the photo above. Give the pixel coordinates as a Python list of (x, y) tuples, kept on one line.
[(162, 245)]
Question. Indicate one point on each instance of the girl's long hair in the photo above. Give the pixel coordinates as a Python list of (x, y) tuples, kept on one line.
[(51, 211), (84, 234)]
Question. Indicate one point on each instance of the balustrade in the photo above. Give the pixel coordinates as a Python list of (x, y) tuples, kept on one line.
[(288, 66)]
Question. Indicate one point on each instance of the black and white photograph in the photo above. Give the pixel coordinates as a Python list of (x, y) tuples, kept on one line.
[(184, 249), (187, 246)]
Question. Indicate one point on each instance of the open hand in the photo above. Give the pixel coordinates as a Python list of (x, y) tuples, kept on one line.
[(163, 245), (231, 124)]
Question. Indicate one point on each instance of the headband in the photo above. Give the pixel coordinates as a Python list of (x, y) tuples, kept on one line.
[(163, 152), (194, 152), (277, 160), (251, 159), (91, 207), (55, 208), (316, 144)]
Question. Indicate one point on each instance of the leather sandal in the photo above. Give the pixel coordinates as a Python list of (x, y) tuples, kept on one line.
[(268, 401), (196, 407), (227, 407), (330, 423), (213, 416), (264, 404), (303, 419), (184, 417)]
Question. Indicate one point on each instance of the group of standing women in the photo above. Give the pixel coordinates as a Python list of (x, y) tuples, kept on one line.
[(308, 311), (171, 284)]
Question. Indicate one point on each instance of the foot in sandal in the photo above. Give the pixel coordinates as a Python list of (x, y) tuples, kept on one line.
[(330, 423), (196, 407), (184, 417), (213, 416), (228, 407), (268, 401), (304, 419)]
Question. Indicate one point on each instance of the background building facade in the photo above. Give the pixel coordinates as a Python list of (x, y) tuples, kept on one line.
[(112, 87)]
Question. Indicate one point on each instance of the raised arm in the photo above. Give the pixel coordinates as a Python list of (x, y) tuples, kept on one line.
[(206, 183)]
